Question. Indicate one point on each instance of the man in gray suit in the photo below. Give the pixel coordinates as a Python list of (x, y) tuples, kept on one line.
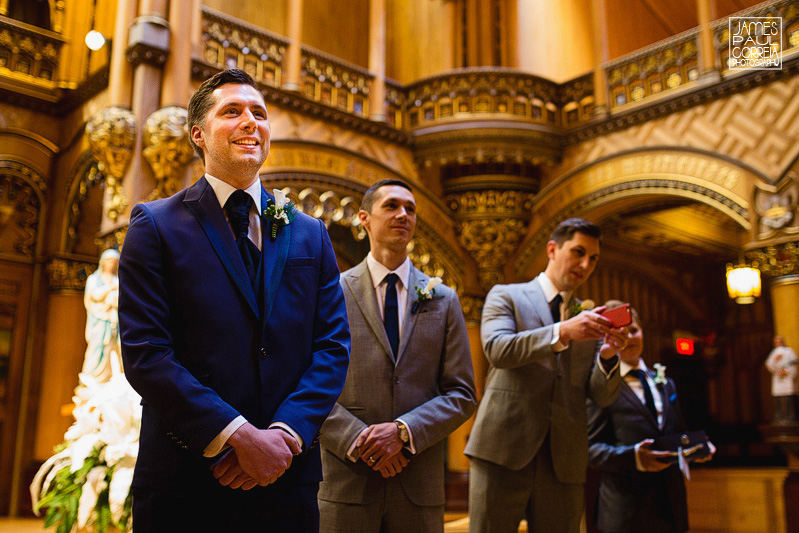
[(410, 384), (529, 444)]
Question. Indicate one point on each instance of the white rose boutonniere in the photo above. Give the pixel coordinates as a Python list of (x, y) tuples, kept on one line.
[(579, 307), (425, 295), (660, 376), (280, 212)]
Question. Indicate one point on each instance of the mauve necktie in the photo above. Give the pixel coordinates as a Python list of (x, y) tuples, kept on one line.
[(237, 208), (648, 398), (391, 312)]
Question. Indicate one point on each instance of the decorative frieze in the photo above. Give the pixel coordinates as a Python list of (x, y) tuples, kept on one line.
[(167, 149), (112, 134), (68, 274), (777, 260)]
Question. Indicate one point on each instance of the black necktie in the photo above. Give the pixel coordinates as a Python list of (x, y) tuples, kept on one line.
[(391, 312), (554, 307), (237, 208), (649, 400)]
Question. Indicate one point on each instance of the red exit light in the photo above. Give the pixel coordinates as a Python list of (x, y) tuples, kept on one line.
[(685, 347)]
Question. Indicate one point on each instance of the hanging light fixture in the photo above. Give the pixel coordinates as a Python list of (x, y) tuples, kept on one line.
[(743, 282)]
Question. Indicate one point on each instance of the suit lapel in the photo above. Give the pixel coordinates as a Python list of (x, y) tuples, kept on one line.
[(537, 299), (633, 398), (273, 256), (415, 279), (360, 284), (204, 205)]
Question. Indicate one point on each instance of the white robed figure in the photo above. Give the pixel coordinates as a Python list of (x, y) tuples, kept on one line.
[(102, 359)]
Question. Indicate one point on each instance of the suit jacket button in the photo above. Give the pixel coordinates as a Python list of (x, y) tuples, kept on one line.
[(262, 354)]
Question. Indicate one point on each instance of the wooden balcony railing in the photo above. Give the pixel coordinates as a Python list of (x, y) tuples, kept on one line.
[(29, 54)]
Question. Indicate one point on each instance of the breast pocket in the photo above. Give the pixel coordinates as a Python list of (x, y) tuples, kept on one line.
[(293, 262)]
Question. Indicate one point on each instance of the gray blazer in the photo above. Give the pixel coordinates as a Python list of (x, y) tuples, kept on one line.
[(431, 387), (531, 390)]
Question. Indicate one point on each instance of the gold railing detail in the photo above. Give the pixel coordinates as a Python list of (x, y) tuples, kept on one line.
[(29, 53), (231, 43), (666, 65), (335, 83)]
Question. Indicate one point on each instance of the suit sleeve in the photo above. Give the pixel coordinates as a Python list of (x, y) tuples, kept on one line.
[(193, 412), (504, 346), (603, 388), (438, 417), (603, 453), (305, 409)]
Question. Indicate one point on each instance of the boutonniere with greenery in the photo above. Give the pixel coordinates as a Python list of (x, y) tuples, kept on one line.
[(280, 212), (660, 376), (425, 295), (579, 307)]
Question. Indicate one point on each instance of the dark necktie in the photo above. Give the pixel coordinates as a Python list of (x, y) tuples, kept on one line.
[(391, 312), (237, 208), (554, 307), (648, 398)]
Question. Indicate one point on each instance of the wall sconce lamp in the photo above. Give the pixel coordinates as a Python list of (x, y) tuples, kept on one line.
[(743, 282)]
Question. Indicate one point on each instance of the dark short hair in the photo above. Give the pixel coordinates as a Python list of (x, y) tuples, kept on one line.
[(202, 100), (370, 195), (610, 304), (566, 230)]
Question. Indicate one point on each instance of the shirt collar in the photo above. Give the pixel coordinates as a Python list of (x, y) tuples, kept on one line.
[(550, 291), (625, 369), (378, 270), (223, 190)]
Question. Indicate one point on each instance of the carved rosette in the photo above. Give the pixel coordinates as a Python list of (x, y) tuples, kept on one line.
[(776, 260), (167, 149), (112, 135), (490, 224), (68, 275)]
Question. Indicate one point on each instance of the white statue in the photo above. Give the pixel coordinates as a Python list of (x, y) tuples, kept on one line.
[(103, 355), (782, 363)]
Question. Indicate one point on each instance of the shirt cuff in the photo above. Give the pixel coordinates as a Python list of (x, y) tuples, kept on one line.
[(638, 465), (603, 362), (352, 453), (557, 346), (287, 429), (410, 444), (219, 444)]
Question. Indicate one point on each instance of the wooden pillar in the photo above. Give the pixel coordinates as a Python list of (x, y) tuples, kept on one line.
[(377, 59), (293, 65), (784, 295), (599, 30), (177, 70), (706, 13), (196, 29), (120, 74)]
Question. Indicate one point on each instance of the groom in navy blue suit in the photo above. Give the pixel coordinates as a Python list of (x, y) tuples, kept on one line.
[(234, 331)]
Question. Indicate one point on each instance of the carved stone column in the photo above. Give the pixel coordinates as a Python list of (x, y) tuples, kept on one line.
[(377, 59), (167, 149), (706, 13), (293, 68), (492, 213)]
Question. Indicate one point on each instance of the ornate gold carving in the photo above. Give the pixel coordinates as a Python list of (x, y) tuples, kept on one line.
[(778, 260), (19, 215), (167, 149), (423, 258), (329, 206), (491, 242), (68, 275), (491, 203), (776, 207), (335, 83), (28, 53), (112, 134), (472, 308)]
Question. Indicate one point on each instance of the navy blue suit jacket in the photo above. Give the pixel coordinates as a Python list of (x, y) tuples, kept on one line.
[(630, 500), (202, 347)]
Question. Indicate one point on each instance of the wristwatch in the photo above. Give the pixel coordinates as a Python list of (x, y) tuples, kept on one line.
[(402, 432)]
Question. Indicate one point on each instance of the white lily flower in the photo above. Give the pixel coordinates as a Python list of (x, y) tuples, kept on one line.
[(431, 284), (280, 199), (119, 488), (95, 483), (81, 449)]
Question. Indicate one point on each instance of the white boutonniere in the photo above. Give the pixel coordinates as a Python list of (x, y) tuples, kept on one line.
[(280, 212), (660, 376), (579, 307), (425, 295)]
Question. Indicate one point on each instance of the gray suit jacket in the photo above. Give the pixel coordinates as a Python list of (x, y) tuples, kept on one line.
[(531, 390), (431, 387)]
